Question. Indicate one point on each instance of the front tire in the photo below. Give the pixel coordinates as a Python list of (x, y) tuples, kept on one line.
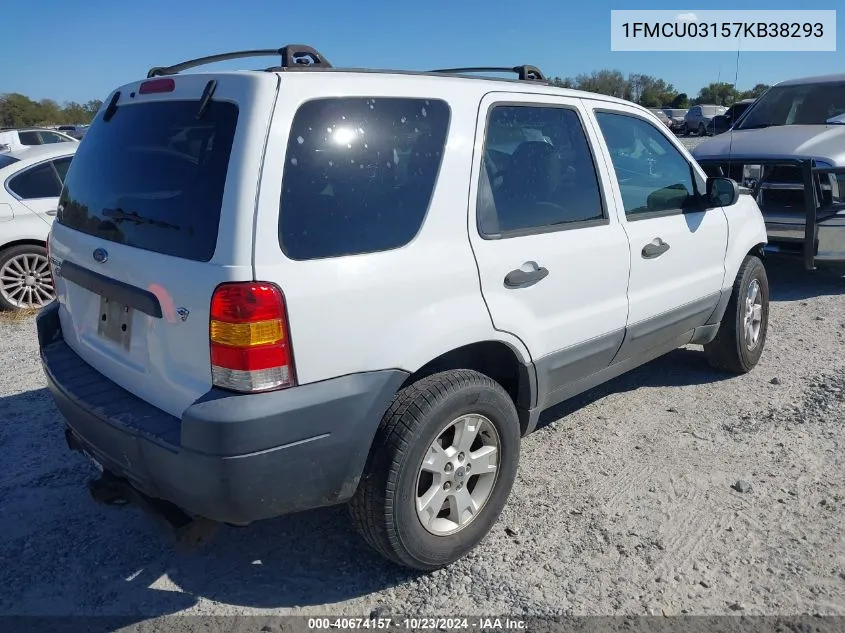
[(742, 334), (442, 466)]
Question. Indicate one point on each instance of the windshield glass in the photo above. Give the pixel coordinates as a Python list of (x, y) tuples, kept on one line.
[(802, 104)]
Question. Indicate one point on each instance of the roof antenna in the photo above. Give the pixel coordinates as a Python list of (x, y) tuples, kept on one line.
[(736, 80)]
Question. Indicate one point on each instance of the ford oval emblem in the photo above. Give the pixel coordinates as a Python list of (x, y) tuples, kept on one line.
[(100, 255)]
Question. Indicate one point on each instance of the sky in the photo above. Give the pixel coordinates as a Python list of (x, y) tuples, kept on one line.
[(97, 45)]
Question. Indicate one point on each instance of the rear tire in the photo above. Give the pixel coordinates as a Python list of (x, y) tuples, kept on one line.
[(413, 502), (702, 131), (742, 334)]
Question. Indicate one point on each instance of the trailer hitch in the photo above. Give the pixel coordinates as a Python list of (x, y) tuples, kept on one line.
[(188, 532)]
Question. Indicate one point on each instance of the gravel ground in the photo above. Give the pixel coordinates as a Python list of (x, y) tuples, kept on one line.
[(624, 504)]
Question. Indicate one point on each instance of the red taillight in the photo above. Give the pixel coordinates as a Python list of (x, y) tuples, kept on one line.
[(250, 339), (165, 84)]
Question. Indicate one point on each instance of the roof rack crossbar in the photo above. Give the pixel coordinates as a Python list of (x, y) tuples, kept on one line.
[(525, 72), (291, 55)]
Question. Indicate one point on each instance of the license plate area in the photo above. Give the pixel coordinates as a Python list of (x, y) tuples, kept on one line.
[(115, 322)]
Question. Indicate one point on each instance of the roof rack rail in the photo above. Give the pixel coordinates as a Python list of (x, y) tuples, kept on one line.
[(525, 72), (293, 55)]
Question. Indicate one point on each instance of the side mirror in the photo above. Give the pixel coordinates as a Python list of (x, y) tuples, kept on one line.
[(722, 191)]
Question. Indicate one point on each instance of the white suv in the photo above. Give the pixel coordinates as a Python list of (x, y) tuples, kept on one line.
[(304, 286)]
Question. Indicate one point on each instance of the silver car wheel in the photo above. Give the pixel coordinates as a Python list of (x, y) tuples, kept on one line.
[(26, 282), (458, 474), (753, 317)]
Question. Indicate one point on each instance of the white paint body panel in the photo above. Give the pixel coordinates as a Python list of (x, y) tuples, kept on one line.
[(746, 229), (693, 268), (584, 296)]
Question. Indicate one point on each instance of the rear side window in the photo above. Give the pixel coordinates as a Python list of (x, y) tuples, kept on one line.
[(29, 138), (153, 177), (62, 165), (40, 181), (359, 174)]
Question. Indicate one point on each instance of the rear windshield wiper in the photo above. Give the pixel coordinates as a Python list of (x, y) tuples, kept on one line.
[(119, 215)]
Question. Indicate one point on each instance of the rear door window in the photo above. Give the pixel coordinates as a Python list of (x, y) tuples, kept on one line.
[(152, 177), (359, 174)]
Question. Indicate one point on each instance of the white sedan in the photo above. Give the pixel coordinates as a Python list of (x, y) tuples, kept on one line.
[(32, 181)]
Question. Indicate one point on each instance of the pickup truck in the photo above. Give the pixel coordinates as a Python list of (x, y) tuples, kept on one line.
[(789, 150)]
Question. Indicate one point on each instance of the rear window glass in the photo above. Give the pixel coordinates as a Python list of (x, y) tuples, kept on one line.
[(359, 174), (5, 161), (153, 177)]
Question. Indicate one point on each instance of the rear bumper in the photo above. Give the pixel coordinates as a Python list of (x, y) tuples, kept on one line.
[(230, 458)]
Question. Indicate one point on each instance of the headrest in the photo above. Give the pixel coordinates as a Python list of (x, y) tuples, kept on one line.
[(535, 168)]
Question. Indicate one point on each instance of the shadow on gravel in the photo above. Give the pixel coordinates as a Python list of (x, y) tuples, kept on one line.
[(788, 281), (679, 368), (74, 557)]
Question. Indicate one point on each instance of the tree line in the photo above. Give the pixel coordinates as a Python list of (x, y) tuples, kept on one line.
[(17, 110), (653, 92)]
